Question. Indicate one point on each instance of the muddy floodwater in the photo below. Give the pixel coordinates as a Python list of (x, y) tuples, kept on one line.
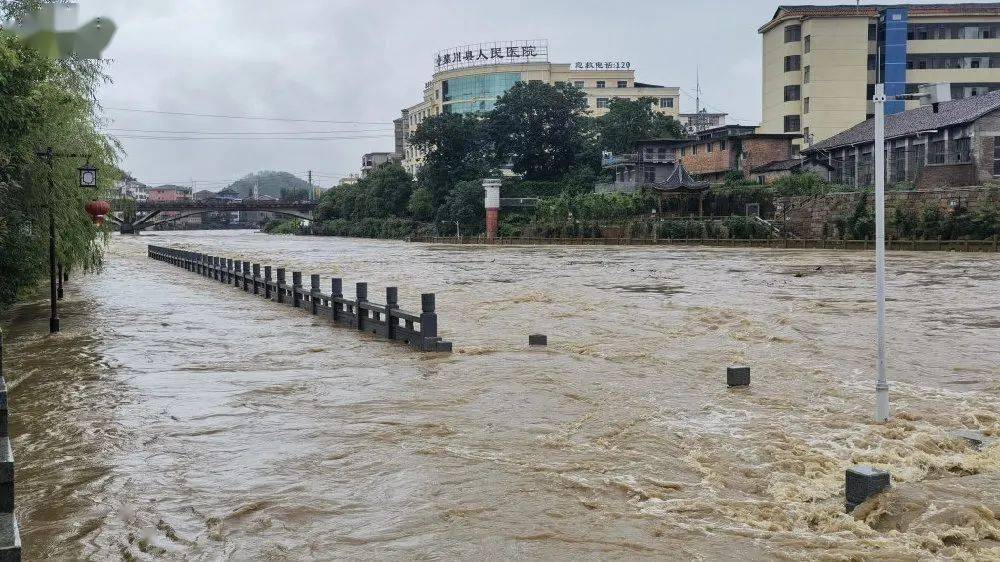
[(176, 417)]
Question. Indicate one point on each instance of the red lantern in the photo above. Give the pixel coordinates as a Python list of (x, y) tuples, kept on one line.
[(98, 210)]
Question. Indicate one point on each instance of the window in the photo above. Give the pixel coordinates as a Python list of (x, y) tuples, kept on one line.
[(666, 102), (791, 123), (793, 63), (600, 83), (872, 32), (807, 43), (694, 150), (722, 145), (805, 105), (602, 102), (683, 150), (623, 83), (870, 92), (578, 83), (792, 33), (708, 147), (996, 156), (805, 135), (872, 62), (649, 175), (792, 93), (805, 75)]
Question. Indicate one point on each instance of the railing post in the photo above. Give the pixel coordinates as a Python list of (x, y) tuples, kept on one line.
[(313, 292), (227, 277), (296, 289), (267, 282), (361, 296), (428, 320), (246, 277), (336, 292), (391, 304), (256, 276), (281, 285)]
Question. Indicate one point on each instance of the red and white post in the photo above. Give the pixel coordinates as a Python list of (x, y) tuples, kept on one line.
[(492, 187)]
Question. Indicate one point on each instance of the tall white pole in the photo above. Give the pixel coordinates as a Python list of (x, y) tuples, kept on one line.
[(881, 385)]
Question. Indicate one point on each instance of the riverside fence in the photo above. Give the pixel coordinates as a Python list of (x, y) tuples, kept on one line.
[(989, 245), (420, 331), (10, 536)]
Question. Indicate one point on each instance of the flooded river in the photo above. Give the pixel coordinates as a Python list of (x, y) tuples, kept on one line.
[(176, 417)]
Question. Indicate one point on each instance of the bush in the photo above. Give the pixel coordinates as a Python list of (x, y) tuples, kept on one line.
[(746, 227)]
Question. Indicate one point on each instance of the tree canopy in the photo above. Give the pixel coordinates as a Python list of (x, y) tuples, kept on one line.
[(46, 103), (457, 148), (630, 120), (542, 130)]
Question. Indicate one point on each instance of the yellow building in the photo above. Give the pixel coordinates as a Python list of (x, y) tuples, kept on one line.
[(470, 78), (820, 63)]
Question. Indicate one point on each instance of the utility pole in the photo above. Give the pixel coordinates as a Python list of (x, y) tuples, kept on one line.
[(53, 290), (881, 385), (310, 172)]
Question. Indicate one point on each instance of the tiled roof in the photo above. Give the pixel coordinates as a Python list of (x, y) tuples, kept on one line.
[(916, 120), (872, 10)]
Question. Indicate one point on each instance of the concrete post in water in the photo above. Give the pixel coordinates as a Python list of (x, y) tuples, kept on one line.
[(737, 376), (313, 292), (336, 292), (361, 296), (267, 282), (862, 482), (235, 281), (217, 264), (391, 304), (281, 285), (428, 319), (229, 270), (246, 277), (256, 275), (296, 289)]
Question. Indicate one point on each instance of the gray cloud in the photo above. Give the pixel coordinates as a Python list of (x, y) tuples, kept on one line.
[(363, 61)]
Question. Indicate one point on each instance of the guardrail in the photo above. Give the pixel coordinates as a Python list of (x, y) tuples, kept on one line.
[(420, 331), (990, 245), (10, 535)]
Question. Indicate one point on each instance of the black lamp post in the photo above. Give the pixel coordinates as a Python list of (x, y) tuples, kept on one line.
[(88, 178)]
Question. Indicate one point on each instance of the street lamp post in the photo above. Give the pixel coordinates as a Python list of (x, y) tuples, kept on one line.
[(932, 94), (88, 178)]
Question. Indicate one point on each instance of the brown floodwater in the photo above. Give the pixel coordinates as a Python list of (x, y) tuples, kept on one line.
[(176, 417)]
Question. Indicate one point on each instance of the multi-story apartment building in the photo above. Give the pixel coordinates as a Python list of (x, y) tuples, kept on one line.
[(470, 78), (372, 160), (820, 63)]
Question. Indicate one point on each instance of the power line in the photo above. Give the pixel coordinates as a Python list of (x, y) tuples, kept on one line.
[(143, 137), (248, 133), (248, 117)]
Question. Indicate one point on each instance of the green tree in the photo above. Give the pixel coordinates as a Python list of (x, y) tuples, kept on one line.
[(384, 192), (43, 104), (630, 120), (457, 148), (543, 130), (466, 204), (421, 204)]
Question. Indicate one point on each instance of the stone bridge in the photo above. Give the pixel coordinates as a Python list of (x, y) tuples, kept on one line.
[(149, 214)]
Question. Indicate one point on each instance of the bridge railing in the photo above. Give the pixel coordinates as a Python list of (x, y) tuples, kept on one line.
[(420, 331), (10, 536)]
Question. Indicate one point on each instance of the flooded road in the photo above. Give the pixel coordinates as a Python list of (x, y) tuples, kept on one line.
[(176, 417)]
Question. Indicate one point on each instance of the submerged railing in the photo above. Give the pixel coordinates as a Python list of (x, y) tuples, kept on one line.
[(10, 536), (386, 320)]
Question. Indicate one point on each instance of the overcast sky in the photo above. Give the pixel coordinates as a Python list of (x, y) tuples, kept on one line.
[(362, 61)]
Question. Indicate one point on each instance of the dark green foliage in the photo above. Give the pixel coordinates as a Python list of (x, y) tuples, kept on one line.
[(47, 103), (746, 227), (384, 192), (630, 120), (932, 222), (466, 205), (543, 130), (387, 227), (457, 148)]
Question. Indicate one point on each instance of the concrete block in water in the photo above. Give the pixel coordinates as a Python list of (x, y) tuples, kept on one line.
[(862, 482), (538, 339), (974, 438), (10, 538), (738, 376)]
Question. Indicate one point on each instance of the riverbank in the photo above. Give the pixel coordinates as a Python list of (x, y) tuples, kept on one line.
[(178, 417)]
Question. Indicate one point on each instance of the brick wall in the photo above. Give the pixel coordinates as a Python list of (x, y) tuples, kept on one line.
[(946, 175), (805, 216), (760, 151), (705, 162)]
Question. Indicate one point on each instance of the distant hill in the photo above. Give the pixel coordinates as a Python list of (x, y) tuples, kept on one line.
[(271, 183)]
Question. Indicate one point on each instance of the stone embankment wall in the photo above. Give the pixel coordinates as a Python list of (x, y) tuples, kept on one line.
[(806, 216)]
